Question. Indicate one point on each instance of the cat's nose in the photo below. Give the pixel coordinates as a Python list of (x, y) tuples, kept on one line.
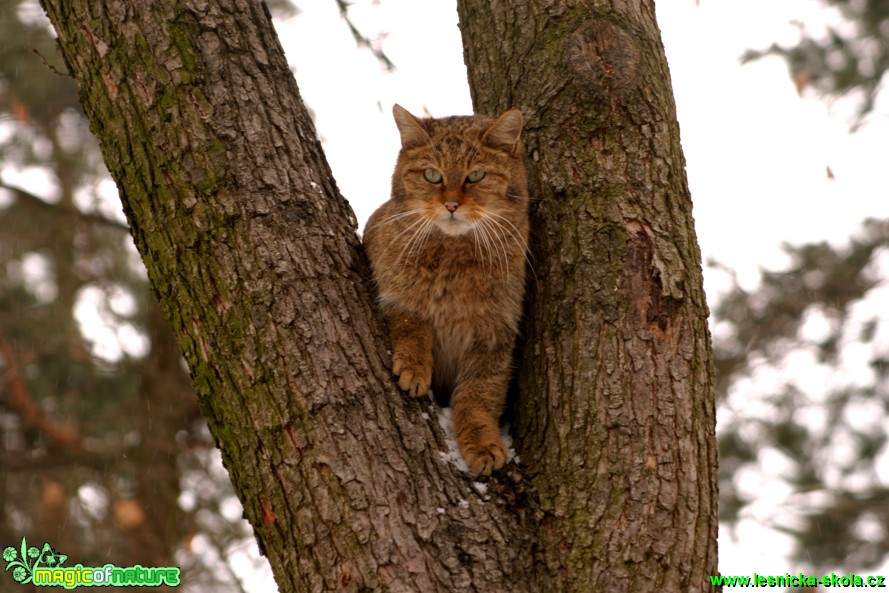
[(451, 205)]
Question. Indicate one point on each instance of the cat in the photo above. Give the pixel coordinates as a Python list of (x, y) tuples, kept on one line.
[(448, 253)]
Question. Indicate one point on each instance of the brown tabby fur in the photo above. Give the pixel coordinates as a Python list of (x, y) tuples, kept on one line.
[(448, 258)]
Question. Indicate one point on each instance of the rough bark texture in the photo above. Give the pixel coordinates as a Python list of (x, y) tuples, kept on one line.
[(254, 258), (616, 413)]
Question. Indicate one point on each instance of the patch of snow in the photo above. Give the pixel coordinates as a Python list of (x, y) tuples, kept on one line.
[(507, 441), (452, 455)]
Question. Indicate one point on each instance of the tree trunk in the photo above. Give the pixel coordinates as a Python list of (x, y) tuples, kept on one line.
[(254, 258), (616, 413)]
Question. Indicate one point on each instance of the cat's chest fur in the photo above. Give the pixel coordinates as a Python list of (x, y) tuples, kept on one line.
[(457, 286)]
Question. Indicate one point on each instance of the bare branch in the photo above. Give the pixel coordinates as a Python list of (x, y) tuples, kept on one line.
[(363, 40), (20, 398), (77, 215)]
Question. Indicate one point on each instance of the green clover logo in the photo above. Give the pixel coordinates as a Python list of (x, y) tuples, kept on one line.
[(31, 557)]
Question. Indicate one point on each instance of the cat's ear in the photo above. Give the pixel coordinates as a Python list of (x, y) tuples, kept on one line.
[(412, 131), (506, 132)]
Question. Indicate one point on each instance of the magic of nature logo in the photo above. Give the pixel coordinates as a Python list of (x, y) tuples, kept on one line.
[(42, 567)]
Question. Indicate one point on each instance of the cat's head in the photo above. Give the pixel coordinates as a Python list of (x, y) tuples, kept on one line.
[(459, 171)]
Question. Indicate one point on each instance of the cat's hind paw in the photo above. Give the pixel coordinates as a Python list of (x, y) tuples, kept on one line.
[(414, 377), (484, 455)]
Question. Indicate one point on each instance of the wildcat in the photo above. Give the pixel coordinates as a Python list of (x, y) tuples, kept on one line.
[(448, 255)]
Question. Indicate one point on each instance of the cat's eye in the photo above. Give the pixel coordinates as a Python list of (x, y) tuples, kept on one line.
[(475, 176), (432, 176)]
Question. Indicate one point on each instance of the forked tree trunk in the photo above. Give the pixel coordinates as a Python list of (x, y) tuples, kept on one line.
[(253, 255)]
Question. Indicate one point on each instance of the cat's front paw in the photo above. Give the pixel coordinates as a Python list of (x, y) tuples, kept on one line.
[(414, 373), (483, 452)]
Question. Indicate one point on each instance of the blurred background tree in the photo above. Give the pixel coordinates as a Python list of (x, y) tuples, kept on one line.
[(849, 58), (802, 364), (803, 358), (104, 452)]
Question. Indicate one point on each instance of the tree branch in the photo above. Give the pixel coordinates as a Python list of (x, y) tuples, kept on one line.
[(20, 398), (59, 210), (361, 39)]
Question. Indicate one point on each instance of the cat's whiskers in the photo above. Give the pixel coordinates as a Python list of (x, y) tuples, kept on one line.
[(497, 243), (412, 245), (418, 234), (523, 198), (422, 222), (476, 247), (408, 228), (488, 258), (424, 233), (514, 234), (513, 231), (480, 232), (400, 215)]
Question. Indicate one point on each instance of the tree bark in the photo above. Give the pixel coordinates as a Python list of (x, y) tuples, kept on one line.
[(253, 255), (616, 413)]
